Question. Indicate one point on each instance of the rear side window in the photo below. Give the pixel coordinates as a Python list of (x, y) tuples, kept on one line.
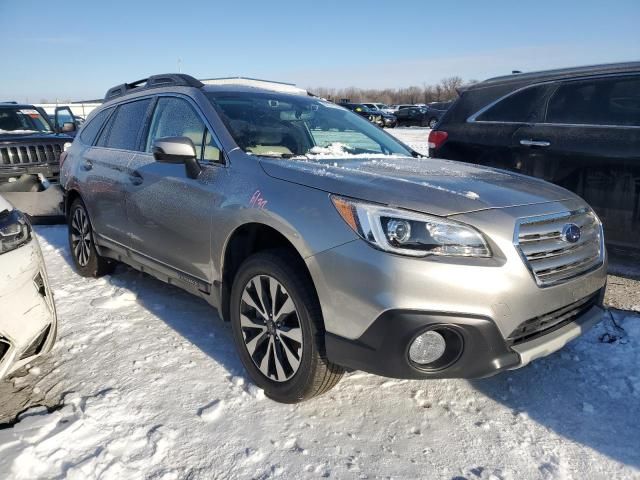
[(91, 129), (175, 117), (612, 101), (519, 108), (124, 126)]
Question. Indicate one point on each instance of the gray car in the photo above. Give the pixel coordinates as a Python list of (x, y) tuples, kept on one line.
[(328, 244)]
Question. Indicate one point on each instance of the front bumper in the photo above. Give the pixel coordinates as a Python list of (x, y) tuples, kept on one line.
[(384, 348), (374, 302), (40, 200), (28, 324), (389, 122)]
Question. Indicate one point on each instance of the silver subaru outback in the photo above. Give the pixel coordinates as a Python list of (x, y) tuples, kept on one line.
[(328, 244)]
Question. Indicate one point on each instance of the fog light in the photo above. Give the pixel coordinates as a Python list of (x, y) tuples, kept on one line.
[(427, 348)]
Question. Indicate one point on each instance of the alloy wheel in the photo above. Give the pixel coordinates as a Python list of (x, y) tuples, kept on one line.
[(81, 237), (271, 328)]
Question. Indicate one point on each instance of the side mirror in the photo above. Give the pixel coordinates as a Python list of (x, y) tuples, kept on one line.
[(177, 150), (68, 127)]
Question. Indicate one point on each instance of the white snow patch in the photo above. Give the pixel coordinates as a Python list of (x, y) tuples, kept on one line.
[(212, 412)]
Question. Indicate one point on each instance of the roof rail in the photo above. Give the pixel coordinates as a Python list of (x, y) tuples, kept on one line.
[(154, 81), (11, 102)]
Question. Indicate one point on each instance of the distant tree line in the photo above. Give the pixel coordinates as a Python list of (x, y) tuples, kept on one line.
[(440, 92)]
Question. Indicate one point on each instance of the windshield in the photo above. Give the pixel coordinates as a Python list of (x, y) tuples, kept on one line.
[(288, 126), (18, 120)]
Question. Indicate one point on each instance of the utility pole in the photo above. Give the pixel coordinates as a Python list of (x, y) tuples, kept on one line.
[(179, 65)]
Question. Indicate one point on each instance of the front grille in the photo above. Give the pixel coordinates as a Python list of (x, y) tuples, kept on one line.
[(4, 347), (544, 324), (37, 345), (30, 154), (550, 257)]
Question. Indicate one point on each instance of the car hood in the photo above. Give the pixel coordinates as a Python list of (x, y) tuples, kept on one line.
[(8, 137), (436, 186)]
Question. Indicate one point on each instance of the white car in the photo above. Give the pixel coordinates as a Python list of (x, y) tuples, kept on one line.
[(28, 322), (379, 106)]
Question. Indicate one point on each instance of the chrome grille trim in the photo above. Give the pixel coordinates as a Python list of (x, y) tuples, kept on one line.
[(549, 258), (30, 154)]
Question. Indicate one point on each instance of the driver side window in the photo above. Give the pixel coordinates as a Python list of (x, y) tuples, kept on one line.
[(175, 117)]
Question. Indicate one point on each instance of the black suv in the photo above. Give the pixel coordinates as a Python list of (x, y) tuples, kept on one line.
[(578, 128), (380, 118), (30, 149), (424, 116)]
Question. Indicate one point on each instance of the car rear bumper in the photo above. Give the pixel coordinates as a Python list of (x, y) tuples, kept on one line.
[(28, 324), (384, 348)]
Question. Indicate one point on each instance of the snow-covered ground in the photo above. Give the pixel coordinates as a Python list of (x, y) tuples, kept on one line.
[(144, 383), (416, 137)]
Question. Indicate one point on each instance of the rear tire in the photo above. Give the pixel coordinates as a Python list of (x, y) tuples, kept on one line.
[(433, 122), (86, 259), (278, 328)]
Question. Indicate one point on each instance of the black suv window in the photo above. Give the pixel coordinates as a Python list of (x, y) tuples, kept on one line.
[(91, 129), (612, 101), (124, 126), (175, 117), (519, 107)]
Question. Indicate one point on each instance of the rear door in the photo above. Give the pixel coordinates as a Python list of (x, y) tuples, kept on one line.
[(487, 136), (106, 165), (589, 143), (170, 214)]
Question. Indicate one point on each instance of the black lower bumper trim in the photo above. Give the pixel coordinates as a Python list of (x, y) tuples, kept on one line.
[(383, 348)]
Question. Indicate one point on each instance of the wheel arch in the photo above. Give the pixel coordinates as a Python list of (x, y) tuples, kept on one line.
[(70, 196), (244, 241)]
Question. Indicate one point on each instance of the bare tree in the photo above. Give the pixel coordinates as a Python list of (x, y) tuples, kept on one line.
[(446, 89)]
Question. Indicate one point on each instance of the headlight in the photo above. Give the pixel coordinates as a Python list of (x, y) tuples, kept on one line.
[(14, 230), (409, 233)]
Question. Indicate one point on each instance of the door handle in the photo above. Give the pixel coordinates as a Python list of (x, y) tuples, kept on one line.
[(135, 178), (535, 143), (87, 165)]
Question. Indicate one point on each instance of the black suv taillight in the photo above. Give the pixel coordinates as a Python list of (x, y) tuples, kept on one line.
[(437, 138)]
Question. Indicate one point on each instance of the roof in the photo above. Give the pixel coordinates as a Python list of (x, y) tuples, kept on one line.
[(269, 85), (183, 80), (16, 105), (558, 74)]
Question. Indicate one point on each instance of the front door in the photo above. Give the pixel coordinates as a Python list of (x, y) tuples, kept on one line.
[(170, 214)]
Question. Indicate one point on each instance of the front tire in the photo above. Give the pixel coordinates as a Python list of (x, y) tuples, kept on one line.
[(86, 259), (278, 329), (432, 123)]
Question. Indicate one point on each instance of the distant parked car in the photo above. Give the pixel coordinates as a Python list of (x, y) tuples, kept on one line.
[(395, 108), (28, 321), (30, 149), (379, 106), (419, 116), (577, 127), (380, 118)]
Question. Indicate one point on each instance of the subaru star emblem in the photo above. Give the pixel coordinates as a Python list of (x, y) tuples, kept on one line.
[(571, 233)]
